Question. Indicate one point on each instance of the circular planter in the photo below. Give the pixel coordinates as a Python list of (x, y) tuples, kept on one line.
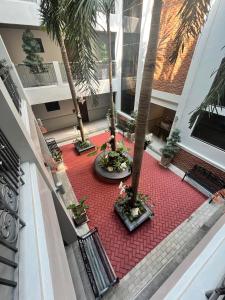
[(111, 177)]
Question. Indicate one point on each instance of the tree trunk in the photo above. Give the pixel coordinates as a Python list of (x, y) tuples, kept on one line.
[(112, 105), (71, 85), (145, 97)]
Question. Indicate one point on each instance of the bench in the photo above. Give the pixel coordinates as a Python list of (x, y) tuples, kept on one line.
[(211, 182), (99, 269)]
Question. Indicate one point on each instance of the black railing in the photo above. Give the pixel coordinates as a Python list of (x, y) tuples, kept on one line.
[(10, 222), (10, 86)]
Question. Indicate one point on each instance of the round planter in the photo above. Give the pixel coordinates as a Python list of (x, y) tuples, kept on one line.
[(111, 177)]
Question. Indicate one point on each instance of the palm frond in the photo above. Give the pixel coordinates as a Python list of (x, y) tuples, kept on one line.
[(215, 97), (192, 15), (81, 20), (52, 17), (106, 6)]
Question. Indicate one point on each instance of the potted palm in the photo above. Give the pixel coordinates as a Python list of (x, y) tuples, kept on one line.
[(131, 125), (79, 212), (170, 149), (143, 213), (64, 21)]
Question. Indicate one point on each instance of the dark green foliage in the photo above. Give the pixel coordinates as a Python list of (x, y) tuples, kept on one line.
[(131, 124), (115, 160), (214, 98), (192, 14), (83, 144), (171, 147), (75, 22), (57, 155), (124, 202), (78, 209), (30, 46)]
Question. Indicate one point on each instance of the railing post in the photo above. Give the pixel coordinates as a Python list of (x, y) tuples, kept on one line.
[(57, 72)]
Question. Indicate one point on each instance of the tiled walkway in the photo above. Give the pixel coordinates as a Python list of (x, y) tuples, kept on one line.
[(174, 202)]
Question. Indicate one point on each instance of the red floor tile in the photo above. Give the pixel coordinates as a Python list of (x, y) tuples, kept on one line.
[(174, 202)]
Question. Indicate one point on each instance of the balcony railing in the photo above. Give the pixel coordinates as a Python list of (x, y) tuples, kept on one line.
[(30, 79), (11, 87), (102, 71), (55, 72)]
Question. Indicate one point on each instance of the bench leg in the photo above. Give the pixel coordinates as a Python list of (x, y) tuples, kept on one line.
[(184, 177)]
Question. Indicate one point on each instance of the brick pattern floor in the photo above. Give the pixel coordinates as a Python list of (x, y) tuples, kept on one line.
[(174, 202)]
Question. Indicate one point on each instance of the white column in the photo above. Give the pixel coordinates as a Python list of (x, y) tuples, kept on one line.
[(145, 30), (119, 51), (57, 72)]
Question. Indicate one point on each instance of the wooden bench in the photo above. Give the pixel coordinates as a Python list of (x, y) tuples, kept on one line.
[(99, 269), (211, 182)]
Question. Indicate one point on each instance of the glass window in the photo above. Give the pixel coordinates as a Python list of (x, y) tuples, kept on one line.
[(40, 48), (210, 128), (52, 106)]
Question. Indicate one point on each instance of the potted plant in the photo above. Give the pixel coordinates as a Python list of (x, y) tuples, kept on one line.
[(57, 156), (79, 211), (132, 215), (170, 149), (82, 145), (131, 125), (112, 165)]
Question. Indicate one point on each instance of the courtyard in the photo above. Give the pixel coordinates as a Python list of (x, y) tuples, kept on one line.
[(173, 202)]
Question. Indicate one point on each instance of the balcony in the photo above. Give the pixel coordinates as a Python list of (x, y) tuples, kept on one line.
[(10, 86), (30, 79), (49, 77), (52, 84)]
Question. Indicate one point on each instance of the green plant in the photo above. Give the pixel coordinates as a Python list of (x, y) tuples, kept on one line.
[(114, 161), (83, 144), (74, 23), (57, 155), (171, 147), (131, 123), (80, 208), (31, 48), (124, 202)]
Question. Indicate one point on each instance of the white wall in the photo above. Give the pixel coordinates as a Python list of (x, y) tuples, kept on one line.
[(19, 12), (56, 119), (65, 117), (44, 272), (98, 110), (201, 271), (206, 59), (12, 38)]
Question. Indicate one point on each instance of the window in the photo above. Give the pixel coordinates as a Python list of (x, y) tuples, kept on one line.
[(40, 48), (210, 128), (52, 106)]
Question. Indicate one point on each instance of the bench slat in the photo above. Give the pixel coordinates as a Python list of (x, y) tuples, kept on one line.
[(97, 264)]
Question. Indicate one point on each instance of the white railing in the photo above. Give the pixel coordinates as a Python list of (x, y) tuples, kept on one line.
[(30, 79), (55, 74)]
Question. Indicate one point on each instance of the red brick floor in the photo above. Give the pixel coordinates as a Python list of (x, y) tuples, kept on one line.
[(174, 202)]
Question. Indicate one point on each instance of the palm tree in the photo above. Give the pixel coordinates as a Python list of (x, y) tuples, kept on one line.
[(65, 20), (193, 15), (107, 6), (145, 96)]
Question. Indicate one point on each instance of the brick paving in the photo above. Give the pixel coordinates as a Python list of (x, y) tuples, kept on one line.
[(174, 202)]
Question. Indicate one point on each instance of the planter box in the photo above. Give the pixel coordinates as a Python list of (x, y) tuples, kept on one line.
[(80, 150), (80, 220), (131, 226)]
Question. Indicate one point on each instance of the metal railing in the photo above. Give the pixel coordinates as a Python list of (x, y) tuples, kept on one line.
[(10, 222), (30, 79), (48, 77), (102, 70), (11, 88)]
